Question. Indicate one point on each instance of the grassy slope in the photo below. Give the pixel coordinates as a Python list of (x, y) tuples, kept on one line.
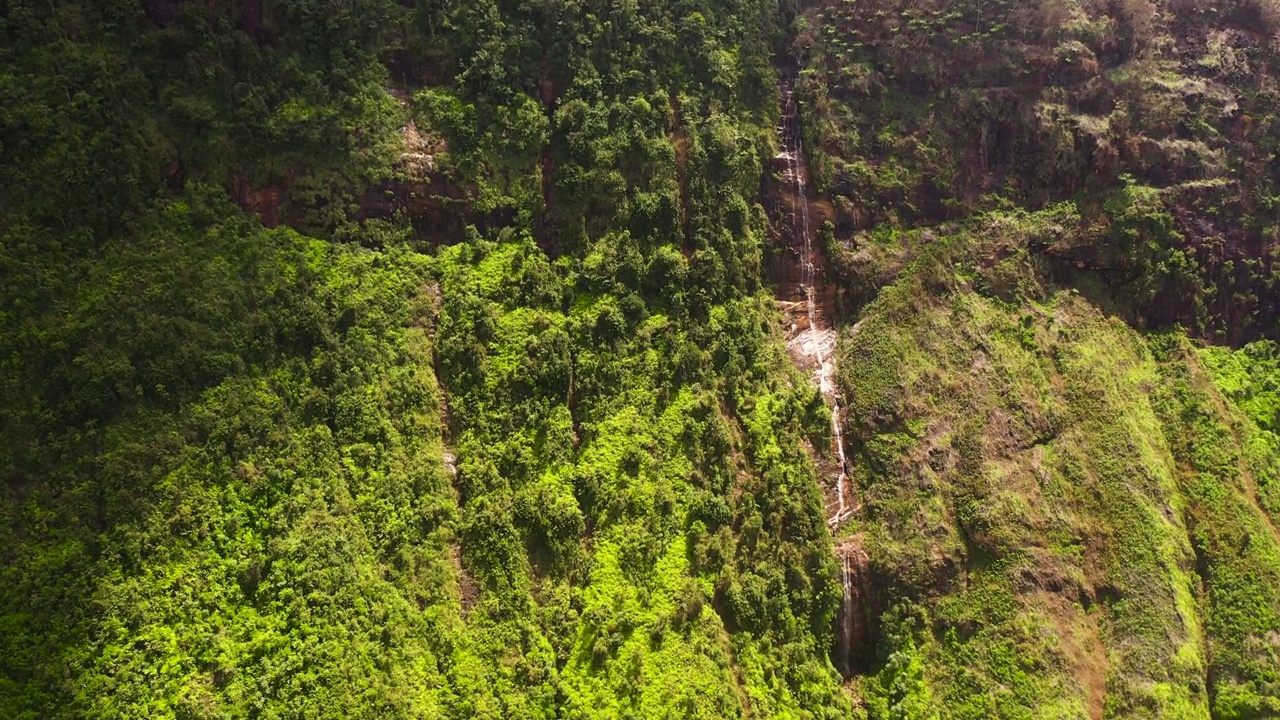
[(1059, 508)]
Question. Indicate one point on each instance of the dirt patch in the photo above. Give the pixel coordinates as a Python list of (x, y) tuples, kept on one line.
[(468, 591), (681, 143), (264, 202), (1082, 647)]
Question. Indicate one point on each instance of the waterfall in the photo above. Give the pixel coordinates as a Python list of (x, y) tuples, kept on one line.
[(846, 614), (816, 342), (812, 345)]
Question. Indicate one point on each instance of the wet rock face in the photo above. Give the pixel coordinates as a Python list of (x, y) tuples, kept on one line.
[(798, 273), (797, 270), (855, 649), (796, 267), (419, 157)]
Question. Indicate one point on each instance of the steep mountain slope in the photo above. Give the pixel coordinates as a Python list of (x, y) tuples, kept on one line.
[(1062, 515), (709, 359), (515, 437), (929, 111)]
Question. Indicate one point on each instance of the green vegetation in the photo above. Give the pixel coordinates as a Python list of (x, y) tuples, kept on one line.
[(421, 359), (577, 414), (551, 467), (1069, 505), (1156, 117), (267, 540)]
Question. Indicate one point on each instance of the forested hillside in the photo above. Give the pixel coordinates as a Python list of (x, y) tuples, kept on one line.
[(639, 359)]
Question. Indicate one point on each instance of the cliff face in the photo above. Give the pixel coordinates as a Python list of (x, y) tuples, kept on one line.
[(587, 359), (923, 112)]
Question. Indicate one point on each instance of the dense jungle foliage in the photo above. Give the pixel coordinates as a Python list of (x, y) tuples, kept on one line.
[(421, 358)]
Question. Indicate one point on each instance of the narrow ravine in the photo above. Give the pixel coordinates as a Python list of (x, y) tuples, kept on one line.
[(811, 339)]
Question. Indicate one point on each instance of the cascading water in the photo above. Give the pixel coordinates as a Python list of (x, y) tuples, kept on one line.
[(816, 342), (812, 345)]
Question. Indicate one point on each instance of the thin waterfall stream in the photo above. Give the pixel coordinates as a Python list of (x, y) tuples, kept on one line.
[(814, 344), (811, 345)]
